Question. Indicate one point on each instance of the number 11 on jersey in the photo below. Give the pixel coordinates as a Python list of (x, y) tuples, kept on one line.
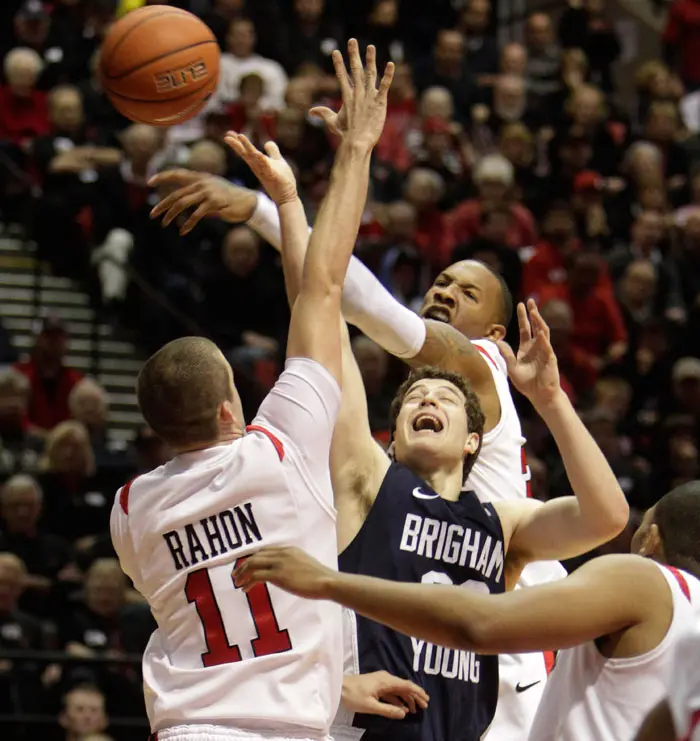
[(271, 640)]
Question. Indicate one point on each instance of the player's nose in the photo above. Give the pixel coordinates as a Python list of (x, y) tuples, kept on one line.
[(444, 295)]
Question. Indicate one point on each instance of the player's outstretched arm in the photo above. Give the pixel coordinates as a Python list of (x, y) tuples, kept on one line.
[(567, 526), (602, 597), (313, 331)]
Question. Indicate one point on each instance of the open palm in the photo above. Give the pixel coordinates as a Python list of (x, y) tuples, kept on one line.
[(270, 168), (534, 371)]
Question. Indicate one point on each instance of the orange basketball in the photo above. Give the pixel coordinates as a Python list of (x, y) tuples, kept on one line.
[(159, 65)]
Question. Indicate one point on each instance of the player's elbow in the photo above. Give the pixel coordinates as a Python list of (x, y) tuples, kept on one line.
[(619, 514)]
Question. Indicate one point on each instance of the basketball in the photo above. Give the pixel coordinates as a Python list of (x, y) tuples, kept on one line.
[(159, 65)]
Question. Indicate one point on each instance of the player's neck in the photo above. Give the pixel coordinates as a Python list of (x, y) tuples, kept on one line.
[(445, 482), (225, 438)]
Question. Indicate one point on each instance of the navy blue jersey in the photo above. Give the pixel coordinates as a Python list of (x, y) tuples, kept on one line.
[(411, 534)]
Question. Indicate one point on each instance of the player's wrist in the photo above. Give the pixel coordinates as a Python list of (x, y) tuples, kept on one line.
[(551, 402), (243, 206)]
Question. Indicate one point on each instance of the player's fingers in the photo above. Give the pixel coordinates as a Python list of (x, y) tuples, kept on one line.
[(178, 176), (356, 69), (204, 209), (273, 151), (371, 68), (387, 709), (405, 688), (524, 324), (182, 204), (537, 319), (235, 144), (342, 74), (165, 203), (250, 150), (387, 79)]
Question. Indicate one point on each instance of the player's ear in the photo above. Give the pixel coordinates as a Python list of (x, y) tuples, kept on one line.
[(472, 444), (496, 333), (651, 545)]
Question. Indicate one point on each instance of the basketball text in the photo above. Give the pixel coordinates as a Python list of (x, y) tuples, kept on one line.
[(173, 79), (212, 536)]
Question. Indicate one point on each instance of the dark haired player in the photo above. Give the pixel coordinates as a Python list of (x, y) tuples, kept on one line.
[(618, 619), (411, 519)]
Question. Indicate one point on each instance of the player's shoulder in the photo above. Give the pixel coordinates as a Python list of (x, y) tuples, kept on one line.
[(491, 353)]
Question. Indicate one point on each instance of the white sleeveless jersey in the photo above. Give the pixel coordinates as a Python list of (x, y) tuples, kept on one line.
[(264, 662), (501, 474), (592, 698), (683, 687)]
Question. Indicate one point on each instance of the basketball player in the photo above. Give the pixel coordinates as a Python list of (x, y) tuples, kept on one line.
[(677, 716), (223, 664), (619, 617), (379, 517), (464, 314)]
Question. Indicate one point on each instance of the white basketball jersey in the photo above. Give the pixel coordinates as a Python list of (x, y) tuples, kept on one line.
[(684, 682), (593, 698), (501, 474), (265, 662)]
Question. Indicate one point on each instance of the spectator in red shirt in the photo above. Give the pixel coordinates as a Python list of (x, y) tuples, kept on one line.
[(575, 365), (599, 328), (24, 113), (424, 190), (494, 178), (50, 380), (681, 39)]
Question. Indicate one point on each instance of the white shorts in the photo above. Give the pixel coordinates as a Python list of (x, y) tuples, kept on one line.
[(200, 732)]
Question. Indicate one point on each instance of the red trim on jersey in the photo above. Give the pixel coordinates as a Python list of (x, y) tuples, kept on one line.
[(550, 659), (275, 441), (682, 582), (483, 352), (694, 723), (124, 496)]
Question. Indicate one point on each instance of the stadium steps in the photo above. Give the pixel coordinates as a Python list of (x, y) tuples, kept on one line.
[(118, 361)]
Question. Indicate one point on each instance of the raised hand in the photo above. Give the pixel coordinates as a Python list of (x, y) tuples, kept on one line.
[(534, 372), (381, 693), (363, 112), (270, 169), (288, 568), (207, 194)]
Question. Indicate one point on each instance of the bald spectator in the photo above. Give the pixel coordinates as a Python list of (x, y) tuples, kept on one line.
[(447, 67), (513, 60), (20, 684), (544, 58), (510, 105), (44, 554), (24, 112), (208, 156)]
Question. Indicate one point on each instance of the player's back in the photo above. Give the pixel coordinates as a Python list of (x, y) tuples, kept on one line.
[(264, 661), (590, 697)]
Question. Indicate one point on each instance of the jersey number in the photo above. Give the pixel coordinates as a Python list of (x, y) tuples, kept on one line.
[(270, 640)]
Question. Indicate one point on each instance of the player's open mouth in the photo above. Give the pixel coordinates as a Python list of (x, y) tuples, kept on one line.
[(437, 314), (427, 422)]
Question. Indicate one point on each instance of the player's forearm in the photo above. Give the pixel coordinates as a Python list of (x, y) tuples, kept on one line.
[(295, 239), (366, 302), (445, 616), (604, 511), (338, 221)]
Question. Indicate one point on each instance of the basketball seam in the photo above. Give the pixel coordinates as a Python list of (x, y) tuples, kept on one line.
[(143, 21), (159, 57), (161, 100)]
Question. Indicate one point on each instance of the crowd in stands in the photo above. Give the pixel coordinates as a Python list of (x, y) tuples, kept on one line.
[(521, 155)]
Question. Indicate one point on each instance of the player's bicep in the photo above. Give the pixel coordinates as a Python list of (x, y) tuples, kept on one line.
[(303, 406), (313, 328), (600, 598)]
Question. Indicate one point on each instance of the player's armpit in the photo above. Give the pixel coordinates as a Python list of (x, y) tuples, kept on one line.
[(447, 348), (603, 597), (658, 725)]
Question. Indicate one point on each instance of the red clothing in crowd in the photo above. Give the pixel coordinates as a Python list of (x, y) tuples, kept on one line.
[(598, 321), (392, 146), (48, 400), (464, 224), (683, 33), (576, 367), (23, 118)]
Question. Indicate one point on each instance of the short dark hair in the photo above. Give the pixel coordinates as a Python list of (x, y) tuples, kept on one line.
[(677, 515), (472, 405), (505, 310), (180, 389)]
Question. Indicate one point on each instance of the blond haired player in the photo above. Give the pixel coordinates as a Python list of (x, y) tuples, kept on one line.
[(224, 664)]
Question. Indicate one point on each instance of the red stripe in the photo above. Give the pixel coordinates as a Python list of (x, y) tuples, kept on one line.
[(124, 496), (275, 441), (682, 583), (550, 659), (694, 722), (483, 352)]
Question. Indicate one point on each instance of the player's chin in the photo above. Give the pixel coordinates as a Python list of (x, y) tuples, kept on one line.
[(425, 442)]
